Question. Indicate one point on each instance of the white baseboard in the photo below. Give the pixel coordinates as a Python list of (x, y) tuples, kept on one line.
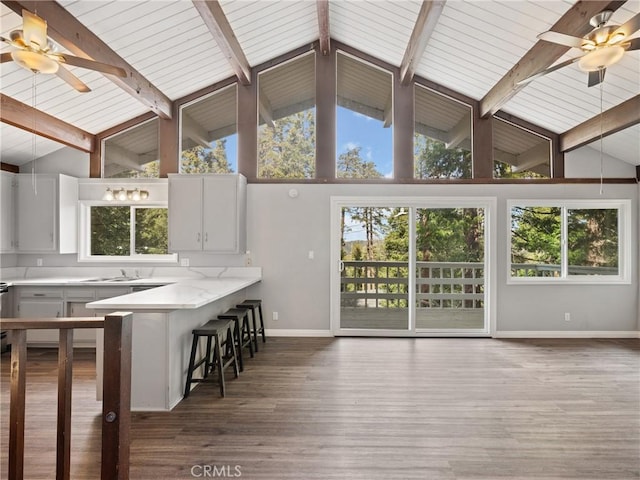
[(566, 334), (284, 332)]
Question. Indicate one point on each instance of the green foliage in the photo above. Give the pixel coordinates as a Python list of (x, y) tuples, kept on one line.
[(535, 235), (152, 233), (288, 149), (593, 237), (111, 231), (450, 235), (433, 160), (206, 160), (110, 227), (352, 165), (504, 170)]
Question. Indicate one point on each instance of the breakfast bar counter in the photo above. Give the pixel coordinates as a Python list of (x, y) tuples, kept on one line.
[(163, 318)]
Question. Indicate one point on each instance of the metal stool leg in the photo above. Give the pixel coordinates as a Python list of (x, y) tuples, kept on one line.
[(192, 360)]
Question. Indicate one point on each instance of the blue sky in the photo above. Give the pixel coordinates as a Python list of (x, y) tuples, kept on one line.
[(353, 129)]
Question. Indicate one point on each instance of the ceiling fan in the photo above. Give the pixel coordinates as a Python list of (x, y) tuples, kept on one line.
[(602, 47), (35, 52)]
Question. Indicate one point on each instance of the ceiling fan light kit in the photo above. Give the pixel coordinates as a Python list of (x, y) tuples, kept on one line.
[(600, 58), (36, 62), (602, 47), (34, 51)]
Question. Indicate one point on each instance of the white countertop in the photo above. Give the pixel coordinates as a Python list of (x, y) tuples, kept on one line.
[(188, 288), (185, 294)]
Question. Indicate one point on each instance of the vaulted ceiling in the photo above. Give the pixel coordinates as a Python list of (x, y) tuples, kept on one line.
[(476, 48)]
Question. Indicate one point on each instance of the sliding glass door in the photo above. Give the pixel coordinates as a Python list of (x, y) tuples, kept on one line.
[(450, 269), (412, 267), (374, 287)]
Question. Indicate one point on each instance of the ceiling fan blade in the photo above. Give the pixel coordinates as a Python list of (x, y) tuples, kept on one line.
[(634, 44), (34, 29), (596, 77), (72, 80), (629, 28), (91, 65), (563, 39), (5, 57), (548, 70)]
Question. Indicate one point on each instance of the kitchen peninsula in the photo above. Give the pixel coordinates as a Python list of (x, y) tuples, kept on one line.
[(162, 323)]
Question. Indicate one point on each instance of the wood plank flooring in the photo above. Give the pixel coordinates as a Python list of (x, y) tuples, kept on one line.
[(370, 408)]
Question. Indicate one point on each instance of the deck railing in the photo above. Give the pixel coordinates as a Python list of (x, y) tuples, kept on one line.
[(373, 284), (438, 284), (116, 403)]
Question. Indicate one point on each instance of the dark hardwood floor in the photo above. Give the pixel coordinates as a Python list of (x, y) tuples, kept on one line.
[(370, 408)]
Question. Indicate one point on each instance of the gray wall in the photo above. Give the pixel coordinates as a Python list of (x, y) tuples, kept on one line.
[(282, 230), (584, 162)]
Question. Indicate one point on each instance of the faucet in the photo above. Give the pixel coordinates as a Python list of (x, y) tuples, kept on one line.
[(124, 274)]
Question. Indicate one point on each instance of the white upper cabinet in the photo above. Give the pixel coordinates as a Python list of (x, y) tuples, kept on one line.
[(7, 214), (207, 212), (47, 213)]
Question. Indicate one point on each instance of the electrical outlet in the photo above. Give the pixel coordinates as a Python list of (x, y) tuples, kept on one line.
[(567, 317), (39, 262), (184, 262), (275, 316)]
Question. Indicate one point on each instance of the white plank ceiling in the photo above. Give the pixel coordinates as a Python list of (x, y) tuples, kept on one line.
[(473, 45)]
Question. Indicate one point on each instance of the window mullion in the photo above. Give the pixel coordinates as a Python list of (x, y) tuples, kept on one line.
[(564, 250), (132, 231)]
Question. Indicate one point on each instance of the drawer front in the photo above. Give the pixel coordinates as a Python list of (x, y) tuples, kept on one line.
[(80, 293), (40, 292)]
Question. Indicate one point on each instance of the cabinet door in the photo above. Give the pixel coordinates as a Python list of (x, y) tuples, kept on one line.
[(36, 214), (185, 213), (220, 214), (28, 308), (82, 337), (7, 227)]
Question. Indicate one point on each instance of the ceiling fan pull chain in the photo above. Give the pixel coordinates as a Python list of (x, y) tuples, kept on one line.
[(601, 72), (33, 136)]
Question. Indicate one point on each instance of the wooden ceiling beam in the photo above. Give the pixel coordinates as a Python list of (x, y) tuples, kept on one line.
[(220, 28), (543, 54), (322, 6), (425, 25), (66, 30), (13, 112), (611, 121)]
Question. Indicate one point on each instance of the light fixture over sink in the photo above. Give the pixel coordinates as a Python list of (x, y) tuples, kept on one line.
[(123, 195)]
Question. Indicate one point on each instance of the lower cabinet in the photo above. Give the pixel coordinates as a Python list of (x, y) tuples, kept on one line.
[(33, 307), (52, 302)]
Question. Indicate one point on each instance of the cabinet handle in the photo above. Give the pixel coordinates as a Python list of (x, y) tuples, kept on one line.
[(57, 314), (198, 237), (38, 295), (206, 237)]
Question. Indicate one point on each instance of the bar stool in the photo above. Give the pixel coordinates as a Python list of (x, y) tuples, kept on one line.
[(213, 329), (242, 331), (253, 305)]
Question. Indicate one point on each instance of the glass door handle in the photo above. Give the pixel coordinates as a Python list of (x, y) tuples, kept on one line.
[(341, 266)]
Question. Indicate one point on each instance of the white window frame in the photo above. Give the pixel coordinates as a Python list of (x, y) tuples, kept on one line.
[(624, 241), (84, 235)]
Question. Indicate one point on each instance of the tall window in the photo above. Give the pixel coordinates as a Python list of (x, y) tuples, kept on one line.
[(578, 240), (209, 142), (287, 118), (442, 136), (519, 153), (364, 120), (133, 153)]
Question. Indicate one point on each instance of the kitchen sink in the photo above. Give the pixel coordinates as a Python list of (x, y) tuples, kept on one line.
[(110, 279)]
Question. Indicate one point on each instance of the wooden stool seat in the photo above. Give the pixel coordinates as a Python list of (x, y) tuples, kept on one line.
[(254, 305), (242, 331), (213, 329)]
